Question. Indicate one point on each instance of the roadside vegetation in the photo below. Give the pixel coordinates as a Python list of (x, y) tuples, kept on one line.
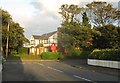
[(96, 29), (52, 55), (12, 34), (105, 54), (23, 57)]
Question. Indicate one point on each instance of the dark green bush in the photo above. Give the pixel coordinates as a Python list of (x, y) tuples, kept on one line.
[(106, 54), (23, 50), (52, 55), (77, 54)]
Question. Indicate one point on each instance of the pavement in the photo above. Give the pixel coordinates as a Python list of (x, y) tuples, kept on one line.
[(82, 64)]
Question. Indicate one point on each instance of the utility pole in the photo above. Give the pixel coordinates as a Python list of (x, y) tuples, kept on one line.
[(7, 40)]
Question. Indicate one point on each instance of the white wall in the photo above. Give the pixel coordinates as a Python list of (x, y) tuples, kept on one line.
[(36, 42), (53, 39), (104, 63)]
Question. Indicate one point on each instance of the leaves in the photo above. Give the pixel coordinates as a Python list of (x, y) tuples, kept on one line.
[(101, 13), (68, 12), (15, 33)]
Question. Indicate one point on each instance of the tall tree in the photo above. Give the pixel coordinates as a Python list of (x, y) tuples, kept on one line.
[(102, 13), (72, 33), (85, 19), (68, 12), (15, 33), (109, 35)]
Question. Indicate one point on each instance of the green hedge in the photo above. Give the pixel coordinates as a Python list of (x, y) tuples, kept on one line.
[(23, 50), (77, 54), (106, 54), (52, 55)]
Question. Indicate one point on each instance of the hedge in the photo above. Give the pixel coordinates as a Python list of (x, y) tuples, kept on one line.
[(78, 54), (52, 55), (106, 54), (23, 50)]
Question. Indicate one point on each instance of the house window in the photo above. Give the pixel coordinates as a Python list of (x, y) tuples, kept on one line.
[(41, 41), (32, 42), (45, 41)]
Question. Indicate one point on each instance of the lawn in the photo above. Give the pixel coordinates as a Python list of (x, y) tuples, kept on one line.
[(24, 57)]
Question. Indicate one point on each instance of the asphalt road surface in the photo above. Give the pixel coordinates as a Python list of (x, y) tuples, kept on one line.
[(51, 71)]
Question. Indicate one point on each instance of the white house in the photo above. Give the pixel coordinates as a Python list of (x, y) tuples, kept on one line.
[(39, 44)]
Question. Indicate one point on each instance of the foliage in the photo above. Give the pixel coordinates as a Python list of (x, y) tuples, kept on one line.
[(106, 54), (109, 35), (22, 50), (69, 12), (72, 34), (85, 19), (52, 55), (78, 54), (102, 13), (15, 33)]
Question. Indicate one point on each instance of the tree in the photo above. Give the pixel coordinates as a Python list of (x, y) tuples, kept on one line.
[(72, 33), (6, 20), (102, 13), (68, 12), (15, 33), (85, 19), (109, 37)]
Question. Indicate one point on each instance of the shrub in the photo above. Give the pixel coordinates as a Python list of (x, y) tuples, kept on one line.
[(52, 55), (106, 54), (22, 50), (77, 54)]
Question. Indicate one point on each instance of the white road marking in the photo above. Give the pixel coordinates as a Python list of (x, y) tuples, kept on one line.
[(84, 78), (55, 69)]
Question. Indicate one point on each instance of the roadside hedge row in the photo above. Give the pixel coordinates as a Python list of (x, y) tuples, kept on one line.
[(105, 54), (52, 55), (23, 50), (77, 54)]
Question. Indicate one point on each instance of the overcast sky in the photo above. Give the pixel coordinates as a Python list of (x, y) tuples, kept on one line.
[(38, 16)]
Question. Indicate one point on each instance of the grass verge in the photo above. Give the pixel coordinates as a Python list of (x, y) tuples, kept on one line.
[(24, 57)]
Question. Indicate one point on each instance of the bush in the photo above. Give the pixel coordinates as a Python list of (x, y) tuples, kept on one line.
[(52, 55), (106, 54), (23, 50), (77, 54)]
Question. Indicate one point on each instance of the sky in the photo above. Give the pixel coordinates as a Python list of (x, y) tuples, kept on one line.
[(39, 16)]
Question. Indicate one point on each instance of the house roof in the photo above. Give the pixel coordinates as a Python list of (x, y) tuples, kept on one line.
[(36, 36), (44, 36), (47, 35)]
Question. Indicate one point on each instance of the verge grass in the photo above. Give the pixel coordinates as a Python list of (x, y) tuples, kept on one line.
[(24, 57)]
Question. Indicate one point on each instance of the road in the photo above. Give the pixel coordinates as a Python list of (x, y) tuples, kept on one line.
[(51, 71)]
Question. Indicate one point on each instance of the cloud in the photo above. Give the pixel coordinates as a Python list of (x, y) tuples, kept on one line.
[(47, 18)]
